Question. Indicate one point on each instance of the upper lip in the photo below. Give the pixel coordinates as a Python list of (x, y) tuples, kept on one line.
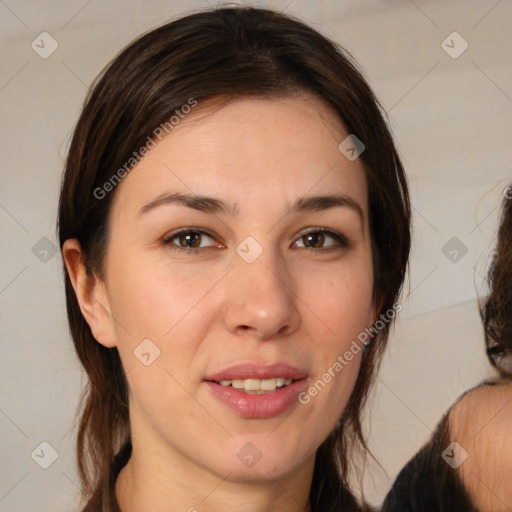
[(255, 371)]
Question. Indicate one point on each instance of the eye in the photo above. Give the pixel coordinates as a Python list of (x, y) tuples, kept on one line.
[(316, 237), (188, 238)]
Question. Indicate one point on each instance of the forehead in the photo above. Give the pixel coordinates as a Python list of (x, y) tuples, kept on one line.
[(252, 150)]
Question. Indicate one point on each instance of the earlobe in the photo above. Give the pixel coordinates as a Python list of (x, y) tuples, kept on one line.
[(374, 313), (377, 309), (91, 295)]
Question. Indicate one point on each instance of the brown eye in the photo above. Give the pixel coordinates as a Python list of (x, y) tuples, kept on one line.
[(188, 239), (316, 239), (313, 239)]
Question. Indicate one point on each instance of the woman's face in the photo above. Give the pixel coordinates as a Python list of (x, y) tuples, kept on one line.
[(263, 284)]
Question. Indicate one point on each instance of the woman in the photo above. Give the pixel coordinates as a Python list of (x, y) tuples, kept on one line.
[(234, 221), (467, 464)]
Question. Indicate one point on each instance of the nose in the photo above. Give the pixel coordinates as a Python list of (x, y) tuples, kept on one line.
[(261, 300)]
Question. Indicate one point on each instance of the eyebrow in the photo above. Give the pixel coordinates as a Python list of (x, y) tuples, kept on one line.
[(213, 205)]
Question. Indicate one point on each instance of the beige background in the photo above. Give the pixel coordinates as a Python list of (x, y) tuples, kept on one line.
[(451, 117)]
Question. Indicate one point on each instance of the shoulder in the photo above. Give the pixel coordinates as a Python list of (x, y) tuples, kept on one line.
[(480, 423), (427, 483)]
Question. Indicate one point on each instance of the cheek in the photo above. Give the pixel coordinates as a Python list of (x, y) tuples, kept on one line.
[(153, 297), (343, 303)]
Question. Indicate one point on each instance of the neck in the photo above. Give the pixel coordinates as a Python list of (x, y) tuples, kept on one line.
[(152, 482), (164, 476)]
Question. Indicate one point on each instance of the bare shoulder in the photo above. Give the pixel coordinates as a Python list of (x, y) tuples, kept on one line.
[(476, 408), (481, 423)]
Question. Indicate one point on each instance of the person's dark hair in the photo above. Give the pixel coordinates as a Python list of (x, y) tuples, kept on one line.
[(496, 310), (221, 55)]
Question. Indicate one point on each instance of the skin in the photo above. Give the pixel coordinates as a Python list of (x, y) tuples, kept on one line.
[(480, 423), (297, 302)]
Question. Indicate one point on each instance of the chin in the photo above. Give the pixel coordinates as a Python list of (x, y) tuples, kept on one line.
[(261, 472), (263, 464)]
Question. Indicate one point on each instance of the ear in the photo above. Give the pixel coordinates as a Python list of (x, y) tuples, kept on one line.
[(375, 308), (91, 295)]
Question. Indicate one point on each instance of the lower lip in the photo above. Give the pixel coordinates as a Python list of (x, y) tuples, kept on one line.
[(261, 406)]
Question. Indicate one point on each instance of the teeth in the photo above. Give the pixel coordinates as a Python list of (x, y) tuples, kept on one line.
[(264, 385), (239, 384), (257, 385), (251, 385)]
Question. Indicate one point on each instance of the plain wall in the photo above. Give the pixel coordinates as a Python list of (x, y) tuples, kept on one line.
[(451, 118)]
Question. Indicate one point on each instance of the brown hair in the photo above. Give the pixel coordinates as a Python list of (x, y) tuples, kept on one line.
[(221, 54), (496, 310)]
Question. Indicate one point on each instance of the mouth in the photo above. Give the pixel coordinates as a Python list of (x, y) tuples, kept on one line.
[(258, 392)]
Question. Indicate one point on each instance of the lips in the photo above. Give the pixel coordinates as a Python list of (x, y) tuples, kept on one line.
[(252, 371), (242, 388)]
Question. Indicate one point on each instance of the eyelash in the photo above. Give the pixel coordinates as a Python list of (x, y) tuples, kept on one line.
[(341, 239)]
